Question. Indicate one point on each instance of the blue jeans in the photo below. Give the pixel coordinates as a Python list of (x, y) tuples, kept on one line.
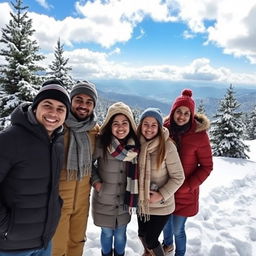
[(36, 252), (119, 237), (175, 227)]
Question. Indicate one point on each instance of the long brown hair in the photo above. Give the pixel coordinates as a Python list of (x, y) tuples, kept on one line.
[(161, 150)]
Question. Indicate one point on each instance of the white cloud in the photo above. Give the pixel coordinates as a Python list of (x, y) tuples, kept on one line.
[(188, 35), (115, 51), (235, 30), (226, 23), (5, 10), (114, 21), (195, 12), (142, 33), (233, 24), (91, 65), (44, 4), (105, 23), (77, 30), (129, 10)]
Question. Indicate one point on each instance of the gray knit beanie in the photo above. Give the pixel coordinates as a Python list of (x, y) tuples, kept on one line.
[(119, 108), (85, 87), (152, 112)]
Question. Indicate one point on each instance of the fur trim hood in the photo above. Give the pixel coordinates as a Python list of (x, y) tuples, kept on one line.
[(202, 122)]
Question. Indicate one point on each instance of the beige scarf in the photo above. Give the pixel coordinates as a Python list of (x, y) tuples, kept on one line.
[(147, 147)]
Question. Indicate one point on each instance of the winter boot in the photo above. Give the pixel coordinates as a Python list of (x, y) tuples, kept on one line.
[(108, 254), (158, 251), (116, 254), (146, 251), (168, 248)]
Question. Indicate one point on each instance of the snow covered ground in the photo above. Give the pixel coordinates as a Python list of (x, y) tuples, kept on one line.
[(226, 222)]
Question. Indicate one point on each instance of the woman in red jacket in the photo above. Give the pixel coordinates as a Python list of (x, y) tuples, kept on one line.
[(189, 131)]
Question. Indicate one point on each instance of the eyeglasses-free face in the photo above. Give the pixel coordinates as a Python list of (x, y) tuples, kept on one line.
[(82, 106), (181, 115), (51, 114), (120, 126), (149, 127)]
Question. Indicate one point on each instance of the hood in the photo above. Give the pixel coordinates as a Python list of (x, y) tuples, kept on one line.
[(202, 122)]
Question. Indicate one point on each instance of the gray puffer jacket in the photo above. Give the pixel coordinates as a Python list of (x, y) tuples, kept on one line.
[(108, 204)]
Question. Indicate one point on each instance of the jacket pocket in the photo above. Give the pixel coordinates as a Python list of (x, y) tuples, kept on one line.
[(100, 193)]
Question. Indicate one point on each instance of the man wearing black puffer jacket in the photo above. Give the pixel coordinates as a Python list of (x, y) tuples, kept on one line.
[(31, 156)]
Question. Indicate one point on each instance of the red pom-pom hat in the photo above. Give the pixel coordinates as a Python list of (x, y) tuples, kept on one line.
[(184, 100)]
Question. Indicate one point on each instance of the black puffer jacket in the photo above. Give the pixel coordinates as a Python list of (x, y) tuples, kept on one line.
[(30, 164)]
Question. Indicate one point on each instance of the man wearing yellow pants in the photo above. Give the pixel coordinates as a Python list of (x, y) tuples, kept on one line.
[(74, 189)]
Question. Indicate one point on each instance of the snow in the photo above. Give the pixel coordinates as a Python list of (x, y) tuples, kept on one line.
[(226, 222)]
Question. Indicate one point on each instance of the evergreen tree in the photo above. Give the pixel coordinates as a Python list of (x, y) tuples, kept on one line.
[(19, 75), (251, 125), (201, 108), (59, 68), (246, 120), (227, 129)]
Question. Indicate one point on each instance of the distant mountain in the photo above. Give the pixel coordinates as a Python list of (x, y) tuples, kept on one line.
[(134, 100), (143, 94)]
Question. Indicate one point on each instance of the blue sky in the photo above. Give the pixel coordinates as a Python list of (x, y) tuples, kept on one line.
[(196, 40)]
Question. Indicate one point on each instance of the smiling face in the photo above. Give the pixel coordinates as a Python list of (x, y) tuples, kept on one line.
[(181, 115), (82, 106), (120, 126), (51, 114), (149, 127)]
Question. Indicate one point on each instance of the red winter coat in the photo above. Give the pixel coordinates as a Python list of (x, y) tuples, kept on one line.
[(196, 158)]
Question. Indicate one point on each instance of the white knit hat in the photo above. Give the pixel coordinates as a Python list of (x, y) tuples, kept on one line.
[(119, 108)]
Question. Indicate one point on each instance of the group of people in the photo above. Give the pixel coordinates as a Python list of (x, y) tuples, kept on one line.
[(54, 151)]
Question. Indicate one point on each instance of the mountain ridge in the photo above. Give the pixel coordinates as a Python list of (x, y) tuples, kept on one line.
[(143, 94)]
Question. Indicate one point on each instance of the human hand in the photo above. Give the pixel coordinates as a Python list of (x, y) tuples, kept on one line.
[(155, 196), (97, 186)]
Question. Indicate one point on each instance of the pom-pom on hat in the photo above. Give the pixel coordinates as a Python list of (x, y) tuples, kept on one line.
[(85, 87), (52, 89), (152, 112), (119, 108), (184, 100)]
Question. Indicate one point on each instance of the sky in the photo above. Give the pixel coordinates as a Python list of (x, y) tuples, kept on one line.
[(226, 222), (177, 40)]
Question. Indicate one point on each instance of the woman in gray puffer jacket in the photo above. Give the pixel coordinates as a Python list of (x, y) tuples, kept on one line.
[(115, 178)]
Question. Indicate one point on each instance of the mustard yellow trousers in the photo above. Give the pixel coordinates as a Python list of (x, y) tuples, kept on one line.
[(70, 235)]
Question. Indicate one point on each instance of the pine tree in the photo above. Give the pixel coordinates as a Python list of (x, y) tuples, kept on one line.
[(227, 129), (246, 120), (201, 108), (251, 125), (59, 69), (19, 75)]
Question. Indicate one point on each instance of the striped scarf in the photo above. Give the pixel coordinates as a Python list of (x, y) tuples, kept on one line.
[(129, 154)]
